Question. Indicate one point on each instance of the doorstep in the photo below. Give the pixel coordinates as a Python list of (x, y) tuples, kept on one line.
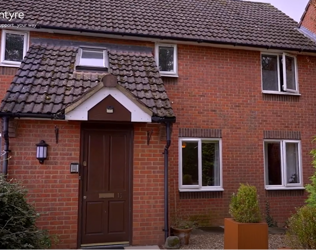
[(142, 247)]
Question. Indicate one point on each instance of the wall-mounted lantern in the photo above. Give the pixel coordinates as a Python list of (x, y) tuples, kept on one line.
[(110, 109), (41, 151)]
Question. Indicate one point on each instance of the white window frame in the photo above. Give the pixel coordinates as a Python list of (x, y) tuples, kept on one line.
[(281, 89), (196, 188), (284, 178), (4, 62), (105, 57), (173, 73)]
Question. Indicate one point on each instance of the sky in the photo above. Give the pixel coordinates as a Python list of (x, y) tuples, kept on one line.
[(293, 8)]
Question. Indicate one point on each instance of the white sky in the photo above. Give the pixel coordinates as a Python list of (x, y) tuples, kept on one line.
[(293, 8)]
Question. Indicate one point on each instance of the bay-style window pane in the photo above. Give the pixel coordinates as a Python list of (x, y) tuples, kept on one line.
[(190, 163), (14, 47), (166, 58), (292, 162), (290, 73), (270, 72), (273, 158), (210, 164)]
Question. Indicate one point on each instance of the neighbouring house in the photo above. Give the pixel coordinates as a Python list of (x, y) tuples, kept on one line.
[(307, 25), (116, 115)]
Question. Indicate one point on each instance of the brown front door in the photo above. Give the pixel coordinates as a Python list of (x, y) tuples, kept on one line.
[(105, 186)]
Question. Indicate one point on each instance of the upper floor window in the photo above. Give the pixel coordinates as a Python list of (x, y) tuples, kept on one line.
[(166, 58), (279, 73), (282, 164), (13, 47), (200, 164), (92, 59)]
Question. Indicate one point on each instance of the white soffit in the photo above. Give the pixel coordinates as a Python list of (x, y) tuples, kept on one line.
[(80, 113)]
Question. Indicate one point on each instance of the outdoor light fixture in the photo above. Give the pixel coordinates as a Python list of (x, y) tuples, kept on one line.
[(41, 151), (110, 109)]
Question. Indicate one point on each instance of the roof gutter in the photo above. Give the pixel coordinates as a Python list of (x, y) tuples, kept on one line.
[(39, 26), (168, 123), (32, 115)]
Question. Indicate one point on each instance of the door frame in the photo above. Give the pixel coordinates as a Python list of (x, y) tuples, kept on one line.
[(109, 127)]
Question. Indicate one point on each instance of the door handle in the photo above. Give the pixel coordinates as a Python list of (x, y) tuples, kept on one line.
[(84, 197)]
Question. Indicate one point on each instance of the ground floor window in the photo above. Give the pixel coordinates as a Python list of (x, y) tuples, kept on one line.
[(283, 168), (200, 164)]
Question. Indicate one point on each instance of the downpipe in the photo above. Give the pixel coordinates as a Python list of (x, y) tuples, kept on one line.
[(166, 154), (5, 121)]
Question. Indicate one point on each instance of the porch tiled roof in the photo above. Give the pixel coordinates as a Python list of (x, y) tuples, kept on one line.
[(46, 82), (217, 21)]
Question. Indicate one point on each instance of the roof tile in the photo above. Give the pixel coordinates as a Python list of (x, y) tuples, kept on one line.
[(220, 21), (46, 83)]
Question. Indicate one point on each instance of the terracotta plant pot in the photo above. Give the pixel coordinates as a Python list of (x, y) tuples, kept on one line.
[(183, 234), (245, 235)]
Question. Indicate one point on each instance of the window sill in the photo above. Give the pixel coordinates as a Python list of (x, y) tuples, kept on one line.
[(279, 93), (201, 190), (284, 188), (10, 65), (168, 75)]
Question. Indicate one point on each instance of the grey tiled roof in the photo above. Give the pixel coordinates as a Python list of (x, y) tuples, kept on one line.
[(217, 21), (46, 83)]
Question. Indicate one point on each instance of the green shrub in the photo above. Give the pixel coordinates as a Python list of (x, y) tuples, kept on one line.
[(311, 188), (244, 206), (301, 233), (17, 219)]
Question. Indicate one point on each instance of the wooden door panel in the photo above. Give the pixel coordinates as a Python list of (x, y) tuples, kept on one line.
[(118, 161), (97, 166), (117, 217), (105, 182), (94, 212)]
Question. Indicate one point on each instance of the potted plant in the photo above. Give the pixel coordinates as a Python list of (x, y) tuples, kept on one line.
[(245, 230), (182, 226)]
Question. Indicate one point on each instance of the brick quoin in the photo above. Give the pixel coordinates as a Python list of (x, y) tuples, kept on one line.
[(216, 89)]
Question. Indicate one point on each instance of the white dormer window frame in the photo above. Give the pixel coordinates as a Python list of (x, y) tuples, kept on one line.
[(5, 61), (84, 62), (172, 71)]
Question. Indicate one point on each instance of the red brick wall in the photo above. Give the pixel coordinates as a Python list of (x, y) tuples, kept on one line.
[(221, 89), (309, 20), (54, 191), (148, 186)]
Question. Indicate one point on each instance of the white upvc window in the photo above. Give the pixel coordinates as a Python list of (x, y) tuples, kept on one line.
[(279, 73), (166, 59), (283, 164), (14, 45), (93, 57), (200, 164)]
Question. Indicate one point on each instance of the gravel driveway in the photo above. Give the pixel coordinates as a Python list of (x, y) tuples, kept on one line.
[(201, 239)]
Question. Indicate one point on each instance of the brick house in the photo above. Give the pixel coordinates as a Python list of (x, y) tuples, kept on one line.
[(150, 108)]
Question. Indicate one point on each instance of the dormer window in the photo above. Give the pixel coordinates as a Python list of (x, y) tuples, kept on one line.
[(92, 59)]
